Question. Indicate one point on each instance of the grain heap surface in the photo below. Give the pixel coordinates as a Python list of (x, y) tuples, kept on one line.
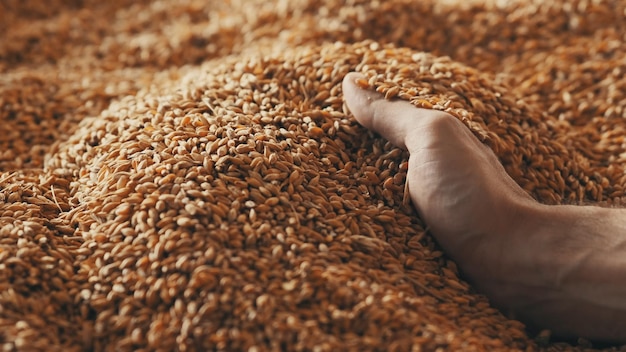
[(184, 175)]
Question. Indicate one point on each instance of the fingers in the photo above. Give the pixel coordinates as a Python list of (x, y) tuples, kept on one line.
[(391, 119)]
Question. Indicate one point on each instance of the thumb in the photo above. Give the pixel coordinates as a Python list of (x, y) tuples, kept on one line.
[(391, 119)]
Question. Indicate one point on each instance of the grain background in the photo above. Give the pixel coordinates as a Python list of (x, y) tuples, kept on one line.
[(184, 175)]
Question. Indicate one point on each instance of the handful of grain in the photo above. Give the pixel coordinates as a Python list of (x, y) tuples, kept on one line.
[(177, 176)]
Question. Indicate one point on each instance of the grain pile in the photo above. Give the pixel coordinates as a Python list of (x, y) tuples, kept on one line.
[(183, 175)]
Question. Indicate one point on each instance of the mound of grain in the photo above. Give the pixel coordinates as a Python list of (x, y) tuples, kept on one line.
[(183, 176)]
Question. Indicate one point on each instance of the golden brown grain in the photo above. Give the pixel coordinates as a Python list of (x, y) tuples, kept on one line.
[(182, 176)]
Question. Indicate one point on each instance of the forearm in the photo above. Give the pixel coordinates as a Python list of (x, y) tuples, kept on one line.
[(588, 246), (578, 268)]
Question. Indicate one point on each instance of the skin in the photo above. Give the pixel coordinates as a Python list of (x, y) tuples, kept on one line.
[(561, 268)]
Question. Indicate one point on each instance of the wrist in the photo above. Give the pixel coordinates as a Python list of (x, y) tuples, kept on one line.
[(543, 241)]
